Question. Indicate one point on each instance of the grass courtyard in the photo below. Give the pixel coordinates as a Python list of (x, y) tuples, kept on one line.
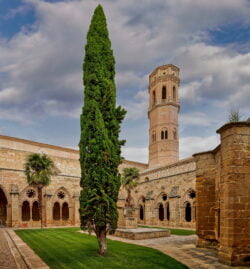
[(66, 248)]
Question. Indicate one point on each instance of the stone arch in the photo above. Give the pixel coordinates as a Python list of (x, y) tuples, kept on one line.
[(25, 210), (67, 197), (174, 94), (35, 211), (141, 208), (3, 207), (164, 134), (188, 212), (160, 212), (65, 211), (164, 93), (56, 211), (168, 211)]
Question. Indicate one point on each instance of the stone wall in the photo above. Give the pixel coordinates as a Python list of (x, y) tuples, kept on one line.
[(223, 195), (168, 187)]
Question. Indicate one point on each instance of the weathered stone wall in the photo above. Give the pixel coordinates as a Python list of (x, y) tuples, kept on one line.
[(13, 154), (223, 195), (168, 186)]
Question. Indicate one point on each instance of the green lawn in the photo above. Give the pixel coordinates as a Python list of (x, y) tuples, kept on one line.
[(173, 231), (66, 248)]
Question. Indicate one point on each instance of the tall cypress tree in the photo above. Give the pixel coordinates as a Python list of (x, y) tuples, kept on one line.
[(100, 147)]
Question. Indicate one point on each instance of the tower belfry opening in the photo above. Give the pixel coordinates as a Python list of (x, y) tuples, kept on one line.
[(163, 113)]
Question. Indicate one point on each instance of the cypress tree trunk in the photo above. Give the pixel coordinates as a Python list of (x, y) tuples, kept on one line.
[(101, 235)]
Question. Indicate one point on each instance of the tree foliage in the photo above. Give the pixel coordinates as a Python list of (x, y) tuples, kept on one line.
[(38, 170), (234, 115), (129, 181), (100, 147)]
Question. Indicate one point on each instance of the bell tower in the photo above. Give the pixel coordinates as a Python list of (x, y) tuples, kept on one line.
[(163, 113)]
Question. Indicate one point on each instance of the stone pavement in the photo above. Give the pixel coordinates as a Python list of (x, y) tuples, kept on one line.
[(183, 249), (7, 260)]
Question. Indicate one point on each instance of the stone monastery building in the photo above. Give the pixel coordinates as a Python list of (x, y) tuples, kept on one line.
[(211, 188), (165, 195)]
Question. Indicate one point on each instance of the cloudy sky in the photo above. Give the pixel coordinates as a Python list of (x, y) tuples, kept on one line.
[(42, 48)]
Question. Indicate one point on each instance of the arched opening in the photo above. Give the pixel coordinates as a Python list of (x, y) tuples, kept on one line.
[(188, 212), (174, 94), (168, 211), (25, 211), (141, 212), (56, 211), (35, 211), (166, 134), (164, 92), (3, 208), (154, 98), (162, 135), (65, 211), (161, 212)]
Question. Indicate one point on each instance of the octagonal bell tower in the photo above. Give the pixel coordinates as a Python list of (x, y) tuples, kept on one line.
[(163, 113)]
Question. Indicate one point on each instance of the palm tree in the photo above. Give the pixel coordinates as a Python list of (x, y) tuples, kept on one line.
[(130, 178), (38, 169)]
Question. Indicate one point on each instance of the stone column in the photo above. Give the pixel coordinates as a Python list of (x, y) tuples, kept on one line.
[(15, 217), (235, 194), (205, 201)]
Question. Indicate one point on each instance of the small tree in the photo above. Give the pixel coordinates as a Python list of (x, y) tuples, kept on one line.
[(130, 178), (234, 115), (38, 170)]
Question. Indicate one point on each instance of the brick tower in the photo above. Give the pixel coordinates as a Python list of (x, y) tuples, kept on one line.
[(163, 113)]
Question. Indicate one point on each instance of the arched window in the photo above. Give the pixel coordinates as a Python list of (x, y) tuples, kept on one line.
[(141, 212), (65, 211), (161, 212), (25, 211), (3, 208), (174, 94), (56, 211), (175, 134), (168, 211), (164, 92), (188, 212), (164, 134), (35, 211), (154, 98)]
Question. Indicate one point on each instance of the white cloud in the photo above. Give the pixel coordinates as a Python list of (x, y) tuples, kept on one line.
[(194, 144), (135, 154)]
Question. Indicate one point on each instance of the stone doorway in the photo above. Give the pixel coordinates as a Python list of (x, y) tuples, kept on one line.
[(3, 209)]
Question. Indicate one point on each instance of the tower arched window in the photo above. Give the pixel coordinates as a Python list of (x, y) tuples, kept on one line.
[(154, 98), (164, 134), (164, 92), (174, 94)]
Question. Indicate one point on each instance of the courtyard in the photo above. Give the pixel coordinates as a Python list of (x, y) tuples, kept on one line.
[(68, 248)]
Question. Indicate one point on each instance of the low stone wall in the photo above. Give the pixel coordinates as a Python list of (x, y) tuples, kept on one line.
[(142, 233)]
